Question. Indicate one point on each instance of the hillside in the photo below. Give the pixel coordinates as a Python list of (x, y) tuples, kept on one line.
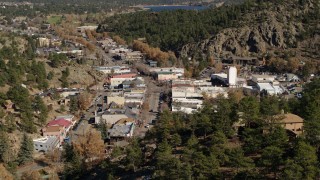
[(269, 27), (258, 28)]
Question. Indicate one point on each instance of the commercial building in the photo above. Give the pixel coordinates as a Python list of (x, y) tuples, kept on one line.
[(178, 71), (187, 95), (230, 79), (166, 76), (268, 84), (113, 69), (46, 144), (116, 80)]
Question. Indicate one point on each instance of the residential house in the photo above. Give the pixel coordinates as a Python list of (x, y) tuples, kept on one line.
[(55, 131), (111, 118), (291, 122), (122, 129)]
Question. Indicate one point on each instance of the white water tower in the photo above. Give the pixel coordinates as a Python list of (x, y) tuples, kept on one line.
[(232, 76)]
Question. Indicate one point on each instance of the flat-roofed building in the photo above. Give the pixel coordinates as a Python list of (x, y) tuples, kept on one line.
[(45, 144)]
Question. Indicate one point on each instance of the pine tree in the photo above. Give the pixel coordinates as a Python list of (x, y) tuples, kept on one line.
[(74, 104), (39, 106), (26, 150), (3, 145)]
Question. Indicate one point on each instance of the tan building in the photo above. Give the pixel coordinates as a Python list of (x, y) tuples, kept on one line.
[(292, 123), (165, 76), (56, 131), (117, 99)]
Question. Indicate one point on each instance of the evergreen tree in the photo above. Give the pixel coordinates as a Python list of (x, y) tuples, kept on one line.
[(134, 156), (39, 106), (26, 150), (74, 104), (271, 159), (4, 146)]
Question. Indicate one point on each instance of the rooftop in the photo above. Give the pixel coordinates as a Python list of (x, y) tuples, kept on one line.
[(290, 118), (59, 122), (46, 140), (129, 75), (52, 129)]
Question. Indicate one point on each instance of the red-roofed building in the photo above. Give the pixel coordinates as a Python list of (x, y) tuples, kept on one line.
[(58, 128), (129, 75), (61, 122)]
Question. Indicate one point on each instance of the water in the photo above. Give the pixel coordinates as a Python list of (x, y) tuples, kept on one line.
[(173, 8)]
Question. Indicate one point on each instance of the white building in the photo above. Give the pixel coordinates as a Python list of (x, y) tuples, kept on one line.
[(268, 84), (232, 76), (46, 144), (113, 69), (178, 71), (187, 95)]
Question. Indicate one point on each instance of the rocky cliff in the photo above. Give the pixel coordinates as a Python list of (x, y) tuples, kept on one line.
[(287, 26)]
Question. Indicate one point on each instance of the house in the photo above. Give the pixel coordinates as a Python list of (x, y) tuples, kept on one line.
[(291, 122), (46, 144), (61, 122), (111, 118), (55, 131), (122, 129)]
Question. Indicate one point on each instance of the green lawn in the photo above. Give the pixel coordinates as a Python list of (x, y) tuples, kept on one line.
[(54, 19)]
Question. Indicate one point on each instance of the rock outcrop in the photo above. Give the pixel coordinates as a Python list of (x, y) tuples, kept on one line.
[(258, 33)]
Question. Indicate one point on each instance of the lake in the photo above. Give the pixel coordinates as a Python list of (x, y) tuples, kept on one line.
[(173, 8)]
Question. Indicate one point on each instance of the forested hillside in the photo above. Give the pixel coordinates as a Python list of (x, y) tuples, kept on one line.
[(254, 27), (79, 6)]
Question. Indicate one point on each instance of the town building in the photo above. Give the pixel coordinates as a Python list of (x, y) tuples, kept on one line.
[(268, 84), (230, 79), (116, 80), (113, 69), (188, 94), (55, 131), (46, 144), (116, 99), (122, 129)]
